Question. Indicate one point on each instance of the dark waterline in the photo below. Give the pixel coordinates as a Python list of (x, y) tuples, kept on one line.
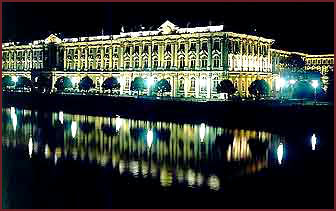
[(81, 161)]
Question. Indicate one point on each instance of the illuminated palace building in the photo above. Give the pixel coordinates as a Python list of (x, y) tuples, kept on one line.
[(193, 60)]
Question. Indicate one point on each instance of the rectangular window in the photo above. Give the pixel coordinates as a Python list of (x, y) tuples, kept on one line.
[(168, 48), (216, 45), (155, 48), (182, 47), (136, 49), (127, 49), (107, 50), (204, 46), (146, 49), (168, 64), (193, 46)]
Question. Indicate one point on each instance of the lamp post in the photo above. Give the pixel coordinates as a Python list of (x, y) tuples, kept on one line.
[(314, 85), (150, 82)]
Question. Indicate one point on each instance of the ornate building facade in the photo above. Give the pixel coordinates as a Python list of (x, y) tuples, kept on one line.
[(193, 60)]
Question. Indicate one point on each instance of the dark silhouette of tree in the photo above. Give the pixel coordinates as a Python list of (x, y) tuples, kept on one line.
[(330, 85), (162, 86), (86, 84), (259, 88), (7, 81), (63, 83), (44, 83), (295, 63), (111, 83), (226, 86), (24, 82), (138, 84), (258, 148)]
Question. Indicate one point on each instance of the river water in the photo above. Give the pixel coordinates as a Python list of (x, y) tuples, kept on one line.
[(62, 160)]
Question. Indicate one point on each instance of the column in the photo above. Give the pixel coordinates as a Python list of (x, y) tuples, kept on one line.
[(209, 54), (65, 58), (241, 56), (79, 59), (209, 86), (197, 54), (121, 56), (150, 56), (186, 57), (110, 57), (86, 59), (186, 85), (140, 56), (102, 60), (197, 87), (175, 54)]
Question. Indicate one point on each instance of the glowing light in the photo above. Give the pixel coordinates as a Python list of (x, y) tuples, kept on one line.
[(292, 81), (280, 83), (280, 152), (73, 129), (30, 147), (150, 82), (149, 138), (313, 141), (203, 82), (118, 123), (199, 179), (74, 80), (14, 118), (14, 79), (191, 177), (202, 131), (60, 116), (214, 182), (121, 81), (46, 151), (315, 83)]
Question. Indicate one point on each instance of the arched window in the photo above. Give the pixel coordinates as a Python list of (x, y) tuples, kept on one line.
[(215, 83), (181, 84), (136, 63), (181, 62), (127, 83), (192, 63), (145, 63), (204, 62), (216, 61), (192, 84), (155, 63)]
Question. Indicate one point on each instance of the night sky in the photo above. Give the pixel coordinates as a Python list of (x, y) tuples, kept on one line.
[(305, 27)]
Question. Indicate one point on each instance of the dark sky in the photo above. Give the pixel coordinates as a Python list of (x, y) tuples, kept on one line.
[(307, 27)]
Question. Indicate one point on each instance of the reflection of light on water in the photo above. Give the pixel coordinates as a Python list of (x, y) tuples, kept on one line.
[(118, 123), (60, 116), (74, 154), (214, 182), (179, 175), (313, 141), (47, 151), (134, 168), (199, 179), (73, 129), (280, 152), (121, 166), (14, 118), (149, 138), (103, 160), (153, 170), (144, 169), (202, 132), (58, 153), (166, 178), (191, 177), (30, 147)]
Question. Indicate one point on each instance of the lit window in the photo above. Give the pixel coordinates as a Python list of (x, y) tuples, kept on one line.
[(192, 84), (181, 84)]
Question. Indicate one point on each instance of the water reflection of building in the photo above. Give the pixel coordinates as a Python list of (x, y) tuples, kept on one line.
[(179, 153)]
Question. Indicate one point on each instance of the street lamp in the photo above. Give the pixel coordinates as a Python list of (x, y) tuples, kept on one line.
[(74, 81), (314, 85)]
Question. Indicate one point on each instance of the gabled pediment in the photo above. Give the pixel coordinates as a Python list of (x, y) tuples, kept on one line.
[(167, 27), (53, 39)]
